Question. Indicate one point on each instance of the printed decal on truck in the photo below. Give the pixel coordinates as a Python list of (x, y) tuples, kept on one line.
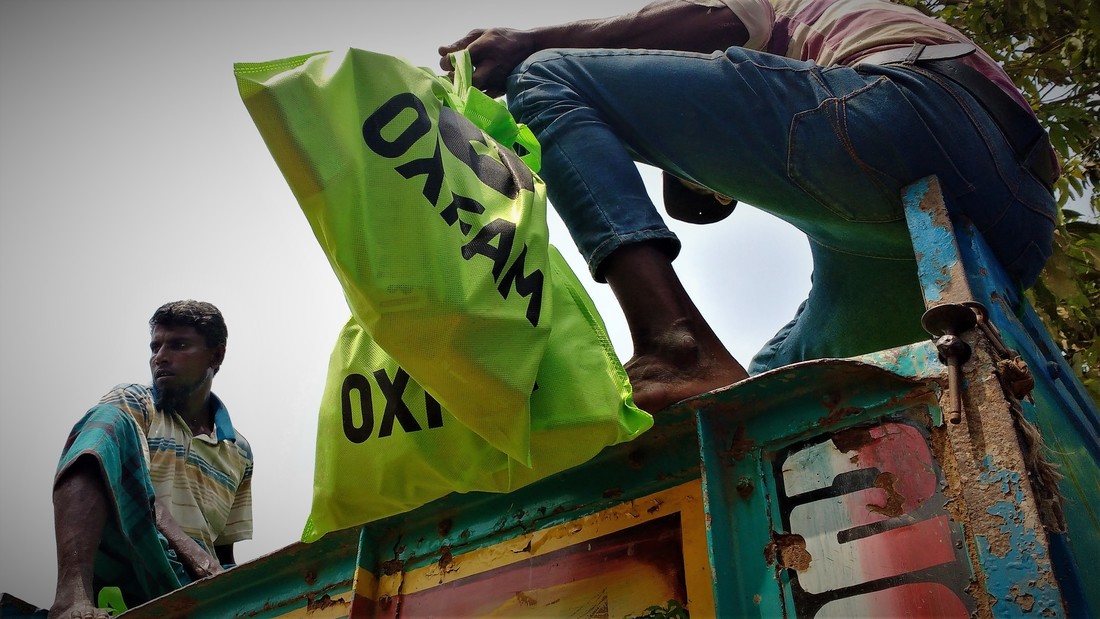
[(866, 530)]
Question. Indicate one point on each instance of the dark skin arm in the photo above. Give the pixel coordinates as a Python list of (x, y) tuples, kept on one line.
[(195, 560), (665, 24), (80, 512)]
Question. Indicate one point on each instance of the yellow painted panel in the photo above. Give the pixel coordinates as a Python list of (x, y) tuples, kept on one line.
[(335, 607), (624, 579)]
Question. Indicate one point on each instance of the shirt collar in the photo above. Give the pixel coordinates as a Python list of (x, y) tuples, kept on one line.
[(223, 426)]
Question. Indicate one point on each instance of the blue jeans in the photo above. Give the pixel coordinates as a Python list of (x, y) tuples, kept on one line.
[(827, 149)]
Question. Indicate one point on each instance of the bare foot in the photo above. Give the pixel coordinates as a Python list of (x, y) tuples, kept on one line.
[(677, 366)]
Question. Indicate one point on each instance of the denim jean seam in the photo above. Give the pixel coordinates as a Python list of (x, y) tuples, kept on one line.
[(1026, 253), (964, 104), (603, 215), (1014, 183), (1026, 203), (970, 187), (866, 167), (1006, 212), (792, 168), (843, 137), (609, 52)]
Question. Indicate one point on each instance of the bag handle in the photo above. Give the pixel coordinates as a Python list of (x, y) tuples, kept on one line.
[(489, 114)]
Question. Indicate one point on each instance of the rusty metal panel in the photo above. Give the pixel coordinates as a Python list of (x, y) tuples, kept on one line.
[(617, 562), (835, 488), (1046, 415), (299, 581), (826, 495)]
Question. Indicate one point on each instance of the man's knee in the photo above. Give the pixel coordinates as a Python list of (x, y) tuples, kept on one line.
[(545, 72), (541, 65)]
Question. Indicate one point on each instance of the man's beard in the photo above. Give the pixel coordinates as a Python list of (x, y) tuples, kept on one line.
[(173, 399)]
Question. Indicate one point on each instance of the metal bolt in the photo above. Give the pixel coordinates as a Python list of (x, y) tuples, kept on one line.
[(954, 352), (745, 487)]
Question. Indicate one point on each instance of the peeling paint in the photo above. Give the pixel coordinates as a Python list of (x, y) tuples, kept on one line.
[(894, 500), (932, 235), (1017, 555), (445, 557), (741, 444), (443, 528), (392, 566), (323, 602), (919, 361), (853, 439), (789, 551), (837, 414)]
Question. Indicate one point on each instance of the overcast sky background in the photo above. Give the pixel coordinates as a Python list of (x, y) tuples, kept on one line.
[(131, 175)]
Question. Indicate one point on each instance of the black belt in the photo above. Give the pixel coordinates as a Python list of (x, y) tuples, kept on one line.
[(1028, 139)]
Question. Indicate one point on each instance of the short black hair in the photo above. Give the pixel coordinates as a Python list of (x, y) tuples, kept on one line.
[(203, 316)]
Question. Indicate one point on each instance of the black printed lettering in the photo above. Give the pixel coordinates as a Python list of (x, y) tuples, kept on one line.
[(434, 410), (395, 407), (460, 203), (482, 244), (387, 113), (359, 384), (459, 136), (432, 167), (525, 285), (507, 176)]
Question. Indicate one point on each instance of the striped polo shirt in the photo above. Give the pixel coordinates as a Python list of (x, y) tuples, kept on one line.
[(842, 32), (207, 477)]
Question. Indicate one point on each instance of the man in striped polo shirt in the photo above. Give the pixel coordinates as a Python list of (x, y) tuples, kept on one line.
[(817, 111), (154, 484)]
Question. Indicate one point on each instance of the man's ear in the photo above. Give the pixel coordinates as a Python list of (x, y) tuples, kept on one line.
[(219, 357)]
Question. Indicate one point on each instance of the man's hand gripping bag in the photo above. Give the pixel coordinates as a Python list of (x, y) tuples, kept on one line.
[(437, 233), (474, 359), (386, 446)]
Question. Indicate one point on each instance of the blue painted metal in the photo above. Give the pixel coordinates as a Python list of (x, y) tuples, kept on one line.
[(1067, 418), (938, 264), (1011, 577), (463, 522)]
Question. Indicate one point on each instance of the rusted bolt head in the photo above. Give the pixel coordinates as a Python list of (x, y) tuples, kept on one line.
[(745, 487), (952, 346)]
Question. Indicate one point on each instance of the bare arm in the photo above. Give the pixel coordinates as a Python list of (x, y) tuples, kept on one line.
[(664, 24), (196, 561), (80, 512)]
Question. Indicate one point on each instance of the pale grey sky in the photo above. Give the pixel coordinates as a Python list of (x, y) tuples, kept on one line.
[(131, 174)]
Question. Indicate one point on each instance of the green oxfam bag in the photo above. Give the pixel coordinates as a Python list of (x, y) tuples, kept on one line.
[(436, 231), (474, 360), (385, 446)]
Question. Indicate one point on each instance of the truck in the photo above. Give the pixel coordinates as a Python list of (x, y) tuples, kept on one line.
[(953, 477)]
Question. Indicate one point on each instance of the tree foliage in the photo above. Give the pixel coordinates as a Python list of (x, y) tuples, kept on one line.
[(1051, 49)]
